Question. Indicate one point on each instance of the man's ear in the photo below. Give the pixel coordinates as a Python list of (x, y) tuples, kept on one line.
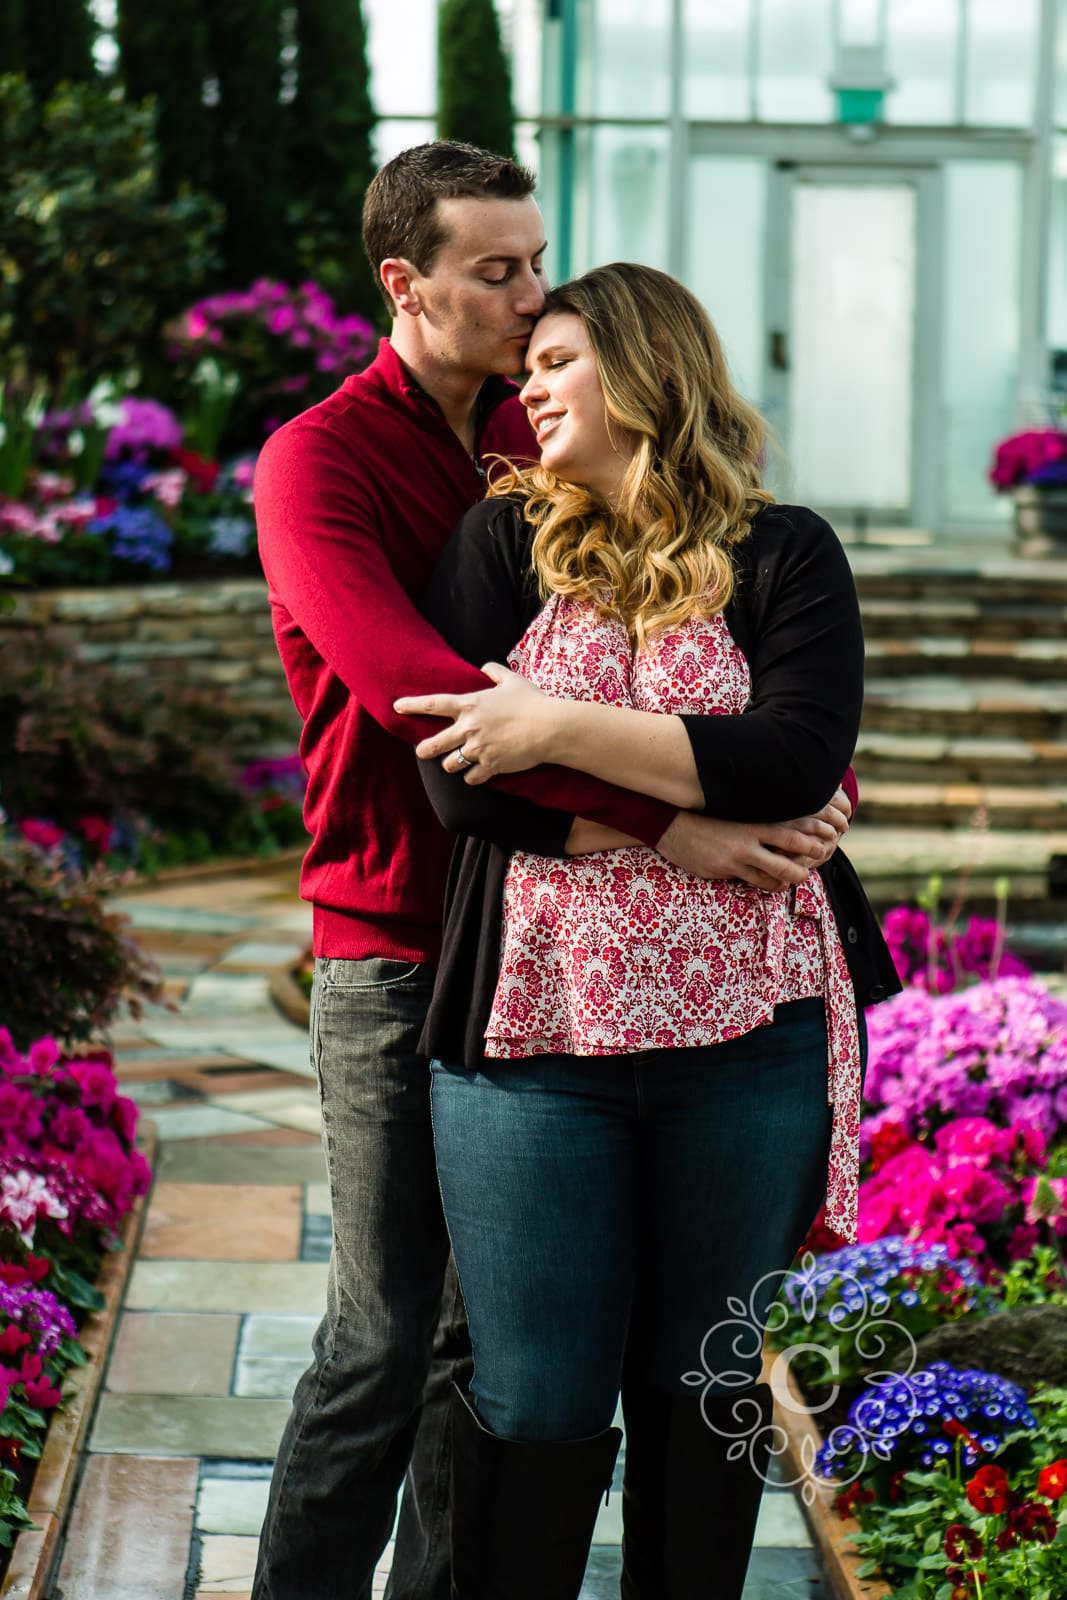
[(398, 275)]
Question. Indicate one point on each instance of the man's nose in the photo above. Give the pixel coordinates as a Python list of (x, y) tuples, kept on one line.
[(530, 295)]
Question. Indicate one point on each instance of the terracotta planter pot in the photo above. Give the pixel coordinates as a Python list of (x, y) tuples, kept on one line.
[(830, 1534)]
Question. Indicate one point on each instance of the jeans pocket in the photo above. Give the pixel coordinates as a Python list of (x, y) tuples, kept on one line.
[(375, 972)]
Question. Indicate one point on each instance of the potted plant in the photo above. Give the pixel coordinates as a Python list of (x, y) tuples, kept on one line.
[(1032, 466)]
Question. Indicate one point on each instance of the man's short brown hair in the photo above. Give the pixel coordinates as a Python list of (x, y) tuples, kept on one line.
[(400, 216)]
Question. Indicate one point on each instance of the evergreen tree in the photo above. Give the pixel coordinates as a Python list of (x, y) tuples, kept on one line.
[(163, 52), (245, 42), (474, 81), (13, 36), (331, 160), (59, 36)]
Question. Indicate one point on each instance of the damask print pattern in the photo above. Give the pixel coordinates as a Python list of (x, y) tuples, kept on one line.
[(619, 950)]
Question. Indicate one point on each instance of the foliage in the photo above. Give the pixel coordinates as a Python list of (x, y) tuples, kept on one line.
[(249, 147), (69, 1173), (474, 79), (51, 41), (148, 754), (331, 155), (287, 347), (67, 964), (163, 50), (91, 259), (981, 1513), (849, 1311)]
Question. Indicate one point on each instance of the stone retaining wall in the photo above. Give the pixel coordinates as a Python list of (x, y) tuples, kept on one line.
[(217, 632)]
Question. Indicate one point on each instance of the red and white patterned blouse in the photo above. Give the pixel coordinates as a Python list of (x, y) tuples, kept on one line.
[(619, 951)]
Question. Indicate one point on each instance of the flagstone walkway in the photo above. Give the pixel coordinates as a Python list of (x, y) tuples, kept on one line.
[(231, 1272)]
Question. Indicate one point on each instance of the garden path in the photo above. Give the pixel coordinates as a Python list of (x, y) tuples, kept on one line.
[(230, 1275)]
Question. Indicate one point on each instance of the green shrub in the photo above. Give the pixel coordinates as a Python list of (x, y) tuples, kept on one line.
[(80, 739), (67, 964), (91, 260), (474, 81)]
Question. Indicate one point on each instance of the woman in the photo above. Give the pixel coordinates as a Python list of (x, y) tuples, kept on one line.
[(644, 1081)]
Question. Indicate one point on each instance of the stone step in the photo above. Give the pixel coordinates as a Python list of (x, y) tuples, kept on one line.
[(960, 616), (1036, 658), (928, 756), (993, 580), (897, 862), (965, 708), (962, 805)]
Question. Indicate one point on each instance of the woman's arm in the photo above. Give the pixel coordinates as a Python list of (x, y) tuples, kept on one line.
[(783, 755)]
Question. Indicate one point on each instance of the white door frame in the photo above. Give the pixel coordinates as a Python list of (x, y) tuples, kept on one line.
[(926, 509)]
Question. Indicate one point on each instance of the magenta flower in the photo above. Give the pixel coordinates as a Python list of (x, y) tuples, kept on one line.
[(1020, 458)]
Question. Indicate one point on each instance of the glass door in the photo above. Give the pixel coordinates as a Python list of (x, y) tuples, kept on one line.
[(850, 385)]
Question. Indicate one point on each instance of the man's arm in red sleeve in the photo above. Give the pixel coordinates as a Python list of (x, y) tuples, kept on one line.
[(324, 559)]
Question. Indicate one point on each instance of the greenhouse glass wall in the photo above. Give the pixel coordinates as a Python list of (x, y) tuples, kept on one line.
[(870, 197)]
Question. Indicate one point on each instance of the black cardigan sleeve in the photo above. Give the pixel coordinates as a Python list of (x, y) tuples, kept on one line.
[(796, 616), (481, 599)]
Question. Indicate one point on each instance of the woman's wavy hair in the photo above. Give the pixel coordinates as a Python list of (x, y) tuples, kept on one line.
[(662, 554)]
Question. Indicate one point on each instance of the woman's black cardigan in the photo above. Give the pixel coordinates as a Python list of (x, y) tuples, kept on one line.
[(795, 616)]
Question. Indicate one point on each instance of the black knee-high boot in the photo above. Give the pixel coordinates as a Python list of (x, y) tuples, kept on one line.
[(689, 1511), (523, 1513)]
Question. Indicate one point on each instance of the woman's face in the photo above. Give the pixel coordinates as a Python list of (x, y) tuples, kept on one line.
[(566, 405)]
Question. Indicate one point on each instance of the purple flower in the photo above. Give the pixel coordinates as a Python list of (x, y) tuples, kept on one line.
[(145, 425), (138, 536)]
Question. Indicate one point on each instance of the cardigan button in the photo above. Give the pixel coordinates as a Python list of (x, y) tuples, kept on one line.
[(876, 992), (852, 935)]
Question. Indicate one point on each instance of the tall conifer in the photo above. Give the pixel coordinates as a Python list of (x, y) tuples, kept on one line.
[(474, 80), (163, 52), (59, 36), (245, 43), (331, 158), (13, 35)]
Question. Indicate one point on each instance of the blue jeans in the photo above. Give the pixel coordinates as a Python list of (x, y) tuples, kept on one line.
[(356, 1412), (593, 1201)]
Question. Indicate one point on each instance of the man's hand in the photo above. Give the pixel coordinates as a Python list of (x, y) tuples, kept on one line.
[(506, 729), (837, 813), (768, 855)]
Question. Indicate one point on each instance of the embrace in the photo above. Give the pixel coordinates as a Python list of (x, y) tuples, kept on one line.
[(587, 1015)]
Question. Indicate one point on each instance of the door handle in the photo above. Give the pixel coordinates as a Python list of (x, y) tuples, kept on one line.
[(779, 350)]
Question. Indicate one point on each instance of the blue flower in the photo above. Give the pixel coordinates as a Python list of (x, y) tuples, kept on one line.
[(137, 536)]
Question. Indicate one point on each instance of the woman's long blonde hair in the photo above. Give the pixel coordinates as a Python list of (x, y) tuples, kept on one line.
[(693, 484)]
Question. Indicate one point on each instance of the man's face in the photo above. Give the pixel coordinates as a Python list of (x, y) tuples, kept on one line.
[(486, 287)]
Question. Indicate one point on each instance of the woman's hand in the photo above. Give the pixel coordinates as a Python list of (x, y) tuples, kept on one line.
[(505, 729)]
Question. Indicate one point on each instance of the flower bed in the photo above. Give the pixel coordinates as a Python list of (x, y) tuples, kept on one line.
[(70, 1176)]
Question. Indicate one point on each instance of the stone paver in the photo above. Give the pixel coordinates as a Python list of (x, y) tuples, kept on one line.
[(173, 1353), (231, 1277), (260, 1223)]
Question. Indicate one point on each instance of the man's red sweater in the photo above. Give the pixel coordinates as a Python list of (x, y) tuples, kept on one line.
[(355, 500)]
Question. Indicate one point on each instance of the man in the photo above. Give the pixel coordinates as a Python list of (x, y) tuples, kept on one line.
[(354, 501)]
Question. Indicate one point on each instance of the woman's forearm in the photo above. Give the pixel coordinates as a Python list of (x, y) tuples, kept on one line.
[(640, 750)]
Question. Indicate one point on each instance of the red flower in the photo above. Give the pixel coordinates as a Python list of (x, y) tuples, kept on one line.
[(894, 1485), (887, 1141), (1052, 1480), (846, 1502), (12, 1340), (956, 1430), (34, 1269), (97, 832), (962, 1543), (40, 1392), (9, 1453), (1034, 1521), (201, 473), (988, 1491)]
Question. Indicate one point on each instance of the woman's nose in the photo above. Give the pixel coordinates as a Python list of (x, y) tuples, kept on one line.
[(532, 390)]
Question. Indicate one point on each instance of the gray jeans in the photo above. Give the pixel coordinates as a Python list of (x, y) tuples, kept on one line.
[(373, 1404)]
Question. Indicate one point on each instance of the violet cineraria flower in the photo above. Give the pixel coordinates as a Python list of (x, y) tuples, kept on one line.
[(138, 536), (865, 1278), (914, 1419)]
